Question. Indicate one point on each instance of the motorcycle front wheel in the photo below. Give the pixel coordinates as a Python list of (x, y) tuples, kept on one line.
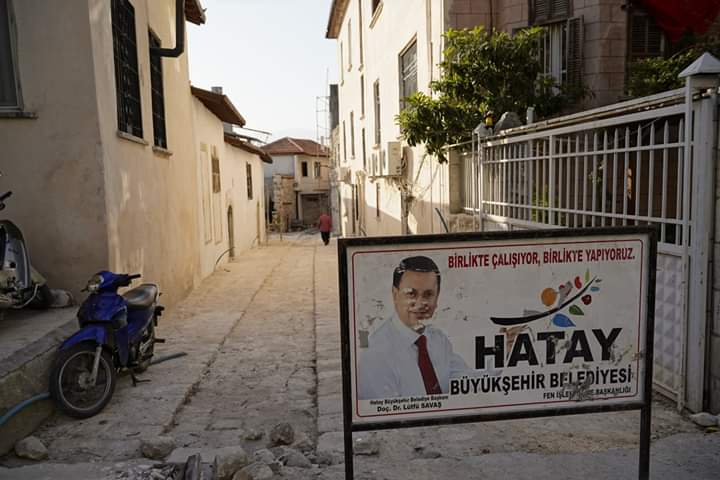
[(70, 381)]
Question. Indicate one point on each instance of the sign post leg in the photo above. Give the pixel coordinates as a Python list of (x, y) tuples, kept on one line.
[(645, 415), (349, 470)]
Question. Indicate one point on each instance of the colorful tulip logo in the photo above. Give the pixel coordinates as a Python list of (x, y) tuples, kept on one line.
[(561, 304)]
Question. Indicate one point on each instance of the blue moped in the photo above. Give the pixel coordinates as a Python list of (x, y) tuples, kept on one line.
[(116, 332)]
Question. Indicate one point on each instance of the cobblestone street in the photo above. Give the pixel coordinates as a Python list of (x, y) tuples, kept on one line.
[(263, 345)]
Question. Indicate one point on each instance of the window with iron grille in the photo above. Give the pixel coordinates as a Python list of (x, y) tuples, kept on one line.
[(9, 86), (349, 43), (408, 73), (376, 102), (352, 134), (362, 95), (215, 172), (544, 11), (356, 195), (364, 151), (158, 94), (248, 174), (344, 142), (646, 37), (342, 64), (127, 80), (360, 30)]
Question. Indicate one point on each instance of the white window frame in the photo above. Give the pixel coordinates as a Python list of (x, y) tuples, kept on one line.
[(553, 51), (407, 72), (216, 198), (205, 169)]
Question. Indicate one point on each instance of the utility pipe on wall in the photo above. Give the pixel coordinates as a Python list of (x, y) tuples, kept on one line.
[(179, 34)]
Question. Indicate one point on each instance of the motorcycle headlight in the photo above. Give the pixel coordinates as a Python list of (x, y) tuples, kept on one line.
[(94, 283)]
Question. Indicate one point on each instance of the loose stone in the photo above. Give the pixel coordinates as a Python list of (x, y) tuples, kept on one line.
[(282, 434), (31, 448)]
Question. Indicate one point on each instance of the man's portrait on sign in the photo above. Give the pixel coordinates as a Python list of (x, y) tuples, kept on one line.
[(407, 355)]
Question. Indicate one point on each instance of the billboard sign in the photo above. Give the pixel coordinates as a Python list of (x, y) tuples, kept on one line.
[(472, 327)]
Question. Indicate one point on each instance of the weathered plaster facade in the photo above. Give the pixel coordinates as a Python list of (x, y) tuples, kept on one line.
[(54, 163), (87, 197), (231, 207)]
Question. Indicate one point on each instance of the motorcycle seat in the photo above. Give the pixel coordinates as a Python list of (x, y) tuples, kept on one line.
[(143, 296)]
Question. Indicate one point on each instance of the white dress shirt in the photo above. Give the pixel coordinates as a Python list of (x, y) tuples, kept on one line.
[(389, 367)]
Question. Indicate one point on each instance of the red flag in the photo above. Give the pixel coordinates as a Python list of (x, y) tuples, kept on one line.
[(675, 17)]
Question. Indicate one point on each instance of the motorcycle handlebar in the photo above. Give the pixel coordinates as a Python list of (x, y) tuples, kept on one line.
[(128, 278)]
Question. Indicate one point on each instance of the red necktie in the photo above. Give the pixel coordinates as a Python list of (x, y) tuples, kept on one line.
[(432, 386)]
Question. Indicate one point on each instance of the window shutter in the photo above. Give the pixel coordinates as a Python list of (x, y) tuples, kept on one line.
[(574, 51), (646, 37), (559, 9), (543, 11), (539, 11)]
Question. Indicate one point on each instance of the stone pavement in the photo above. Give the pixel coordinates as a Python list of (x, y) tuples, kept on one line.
[(262, 337)]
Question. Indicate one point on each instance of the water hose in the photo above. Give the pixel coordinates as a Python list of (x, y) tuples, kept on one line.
[(22, 405), (46, 395)]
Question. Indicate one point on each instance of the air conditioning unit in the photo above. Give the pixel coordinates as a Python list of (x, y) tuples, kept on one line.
[(394, 159)]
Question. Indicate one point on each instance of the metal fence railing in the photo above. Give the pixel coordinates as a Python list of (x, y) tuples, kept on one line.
[(623, 170)]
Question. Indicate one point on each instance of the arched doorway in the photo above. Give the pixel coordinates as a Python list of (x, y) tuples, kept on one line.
[(231, 232)]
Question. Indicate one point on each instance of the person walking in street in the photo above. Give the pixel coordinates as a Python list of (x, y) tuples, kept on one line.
[(324, 223)]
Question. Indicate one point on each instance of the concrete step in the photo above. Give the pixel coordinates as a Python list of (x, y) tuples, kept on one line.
[(28, 344)]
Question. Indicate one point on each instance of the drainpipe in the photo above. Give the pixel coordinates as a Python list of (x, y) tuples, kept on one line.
[(179, 34)]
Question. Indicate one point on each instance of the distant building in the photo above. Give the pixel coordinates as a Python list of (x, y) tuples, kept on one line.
[(297, 182)]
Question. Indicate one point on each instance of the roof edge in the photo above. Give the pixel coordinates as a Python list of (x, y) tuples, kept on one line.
[(337, 15), (194, 12), (201, 94), (233, 140)]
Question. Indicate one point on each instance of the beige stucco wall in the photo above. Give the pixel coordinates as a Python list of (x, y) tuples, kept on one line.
[(248, 213), (151, 203), (248, 217), (209, 136), (311, 183), (385, 36), (53, 164)]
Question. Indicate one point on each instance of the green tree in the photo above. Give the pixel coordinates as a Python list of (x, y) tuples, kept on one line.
[(654, 75), (481, 71)]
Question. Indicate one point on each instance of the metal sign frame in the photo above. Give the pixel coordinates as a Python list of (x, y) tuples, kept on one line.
[(643, 405)]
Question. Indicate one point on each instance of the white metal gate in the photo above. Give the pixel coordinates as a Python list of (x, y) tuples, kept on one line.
[(625, 164)]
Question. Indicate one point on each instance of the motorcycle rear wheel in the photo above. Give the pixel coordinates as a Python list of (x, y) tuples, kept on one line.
[(145, 364), (69, 381)]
